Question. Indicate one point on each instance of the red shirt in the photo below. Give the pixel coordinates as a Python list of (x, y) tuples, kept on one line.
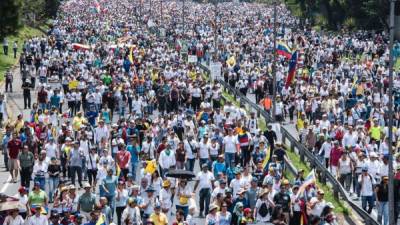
[(336, 153), (123, 158), (14, 146)]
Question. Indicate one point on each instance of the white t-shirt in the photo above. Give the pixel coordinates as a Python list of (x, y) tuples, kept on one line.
[(165, 199), (366, 183), (205, 179), (236, 185), (18, 220), (51, 149), (203, 150), (230, 143)]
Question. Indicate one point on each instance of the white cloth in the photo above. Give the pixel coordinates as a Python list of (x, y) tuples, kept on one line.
[(205, 179), (38, 220), (18, 220), (165, 199), (230, 143)]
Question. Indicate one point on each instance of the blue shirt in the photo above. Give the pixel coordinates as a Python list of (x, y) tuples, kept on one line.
[(110, 183), (134, 153), (219, 168), (55, 100)]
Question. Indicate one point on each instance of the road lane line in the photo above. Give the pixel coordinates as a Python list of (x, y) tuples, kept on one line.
[(4, 188)]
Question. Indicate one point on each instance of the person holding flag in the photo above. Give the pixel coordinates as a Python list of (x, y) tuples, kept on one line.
[(292, 69)]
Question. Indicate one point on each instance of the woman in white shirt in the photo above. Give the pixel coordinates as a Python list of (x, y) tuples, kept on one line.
[(13, 218), (121, 200), (182, 197)]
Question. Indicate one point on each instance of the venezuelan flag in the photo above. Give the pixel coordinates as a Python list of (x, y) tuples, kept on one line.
[(131, 54), (292, 69), (101, 220), (118, 170), (310, 179), (283, 50), (266, 159)]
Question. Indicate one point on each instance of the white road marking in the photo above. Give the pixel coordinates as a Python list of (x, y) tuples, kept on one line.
[(4, 188)]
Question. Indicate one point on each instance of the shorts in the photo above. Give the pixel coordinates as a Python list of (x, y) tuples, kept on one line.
[(13, 164)]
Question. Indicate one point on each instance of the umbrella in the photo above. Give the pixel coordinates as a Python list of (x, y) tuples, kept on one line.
[(181, 174), (4, 206)]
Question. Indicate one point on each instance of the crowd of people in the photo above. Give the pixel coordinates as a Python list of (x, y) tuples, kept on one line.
[(115, 106)]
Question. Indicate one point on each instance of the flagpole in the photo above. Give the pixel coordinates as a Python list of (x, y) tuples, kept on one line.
[(215, 31), (392, 219), (183, 18), (274, 67)]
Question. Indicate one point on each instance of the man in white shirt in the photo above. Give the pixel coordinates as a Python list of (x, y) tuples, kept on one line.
[(366, 182), (350, 138), (190, 146), (231, 147), (166, 159), (326, 151), (205, 182)]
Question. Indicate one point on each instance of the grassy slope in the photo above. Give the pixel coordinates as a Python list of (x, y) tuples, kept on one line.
[(23, 34), (339, 207)]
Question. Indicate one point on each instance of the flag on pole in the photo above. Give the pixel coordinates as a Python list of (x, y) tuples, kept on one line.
[(118, 170), (101, 220), (292, 69), (266, 159), (310, 179), (131, 54), (283, 50)]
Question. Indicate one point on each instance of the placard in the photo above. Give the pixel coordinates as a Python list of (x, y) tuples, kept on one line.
[(215, 70), (192, 59)]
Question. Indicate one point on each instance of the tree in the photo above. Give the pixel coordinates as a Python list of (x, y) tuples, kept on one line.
[(10, 19), (52, 8), (33, 10)]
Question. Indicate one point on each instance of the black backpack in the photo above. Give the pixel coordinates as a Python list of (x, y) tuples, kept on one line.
[(263, 211)]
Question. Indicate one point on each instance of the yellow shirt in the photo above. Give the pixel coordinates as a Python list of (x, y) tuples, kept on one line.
[(375, 133), (160, 219), (18, 125), (300, 124), (192, 75), (77, 123)]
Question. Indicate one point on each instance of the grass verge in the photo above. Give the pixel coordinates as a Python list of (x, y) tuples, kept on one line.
[(26, 32), (339, 207)]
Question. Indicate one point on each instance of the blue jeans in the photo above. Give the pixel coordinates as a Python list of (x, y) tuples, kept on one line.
[(203, 161), (383, 211), (111, 202), (42, 106), (185, 210), (229, 159), (369, 200), (133, 170), (190, 164), (53, 184)]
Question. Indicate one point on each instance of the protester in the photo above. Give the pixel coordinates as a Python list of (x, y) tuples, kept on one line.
[(132, 108)]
